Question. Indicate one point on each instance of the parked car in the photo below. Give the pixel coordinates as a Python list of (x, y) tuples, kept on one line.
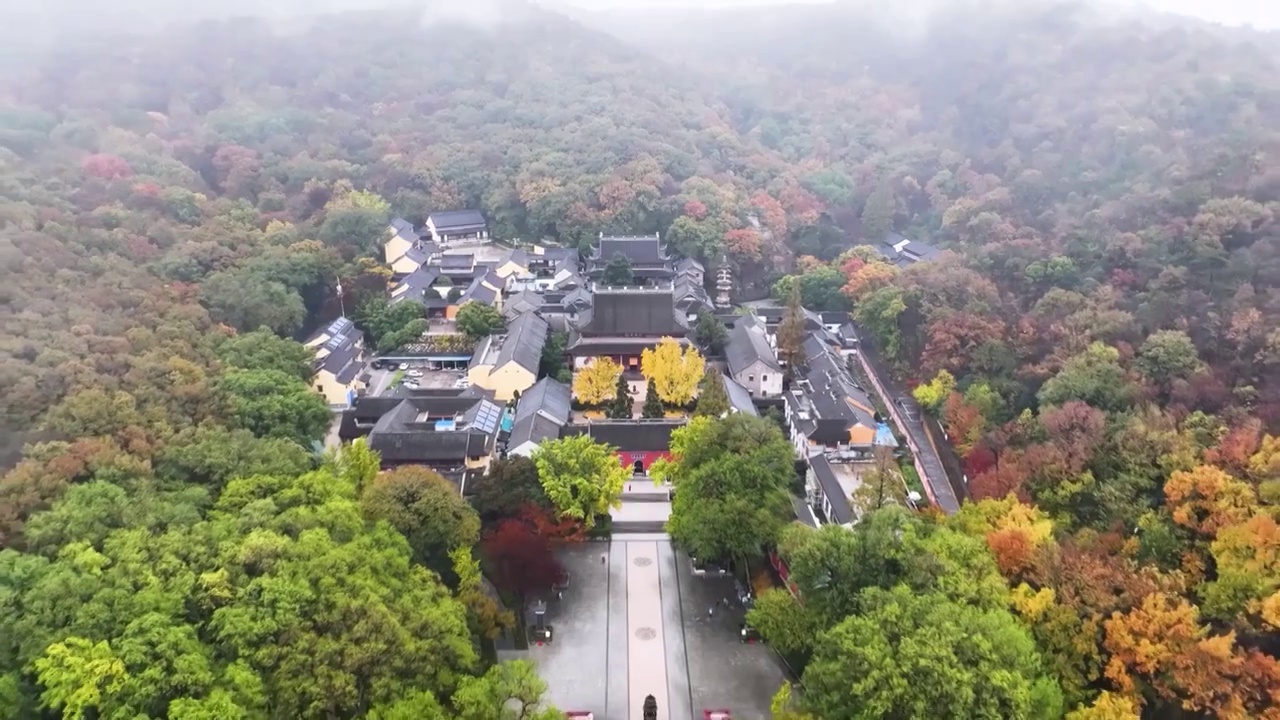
[(404, 366), (414, 373), (411, 384)]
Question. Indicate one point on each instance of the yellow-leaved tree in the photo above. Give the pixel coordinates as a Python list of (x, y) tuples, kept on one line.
[(598, 381), (675, 371)]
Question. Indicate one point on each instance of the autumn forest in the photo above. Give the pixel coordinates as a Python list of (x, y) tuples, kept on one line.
[(1100, 337)]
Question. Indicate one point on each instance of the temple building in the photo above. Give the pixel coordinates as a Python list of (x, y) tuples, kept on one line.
[(623, 321), (650, 263)]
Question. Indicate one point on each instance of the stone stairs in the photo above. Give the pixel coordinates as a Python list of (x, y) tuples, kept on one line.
[(645, 508)]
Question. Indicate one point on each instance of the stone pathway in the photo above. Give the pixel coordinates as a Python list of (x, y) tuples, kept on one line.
[(637, 625), (646, 651)]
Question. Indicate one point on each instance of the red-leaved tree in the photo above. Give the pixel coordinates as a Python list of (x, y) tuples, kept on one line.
[(107, 167), (521, 561)]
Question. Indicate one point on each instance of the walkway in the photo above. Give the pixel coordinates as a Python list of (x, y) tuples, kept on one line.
[(646, 645), (637, 625), (908, 418)]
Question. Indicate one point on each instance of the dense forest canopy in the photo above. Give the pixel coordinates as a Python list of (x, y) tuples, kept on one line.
[(1101, 338)]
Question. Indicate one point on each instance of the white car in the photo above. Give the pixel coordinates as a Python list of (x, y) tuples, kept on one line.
[(414, 373), (411, 384), (403, 366)]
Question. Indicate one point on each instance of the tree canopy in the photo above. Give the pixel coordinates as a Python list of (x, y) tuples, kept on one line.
[(732, 481), (582, 478)]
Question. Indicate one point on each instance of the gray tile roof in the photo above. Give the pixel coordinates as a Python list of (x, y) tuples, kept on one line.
[(478, 292), (628, 435), (417, 282), (418, 254), (578, 299), (748, 345), (518, 256), (409, 431), (827, 389), (520, 303), (523, 343), (547, 397), (342, 349), (689, 265), (841, 510), (739, 397), (690, 296), (543, 409), (403, 228), (641, 251), (634, 312), (456, 220), (912, 251)]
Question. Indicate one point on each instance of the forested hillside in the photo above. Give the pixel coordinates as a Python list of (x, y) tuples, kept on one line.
[(1102, 340)]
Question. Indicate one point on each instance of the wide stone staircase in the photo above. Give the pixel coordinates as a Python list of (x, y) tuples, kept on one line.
[(645, 508)]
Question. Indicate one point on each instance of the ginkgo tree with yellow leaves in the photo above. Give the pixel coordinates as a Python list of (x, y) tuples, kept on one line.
[(674, 370), (597, 381)]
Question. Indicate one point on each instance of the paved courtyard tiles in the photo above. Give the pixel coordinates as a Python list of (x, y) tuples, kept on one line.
[(724, 672), (573, 664), (646, 649), (617, 708), (679, 693), (605, 659)]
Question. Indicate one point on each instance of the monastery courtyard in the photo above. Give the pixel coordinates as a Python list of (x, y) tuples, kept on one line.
[(637, 624)]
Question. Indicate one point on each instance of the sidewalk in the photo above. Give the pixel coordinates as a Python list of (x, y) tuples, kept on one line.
[(932, 473)]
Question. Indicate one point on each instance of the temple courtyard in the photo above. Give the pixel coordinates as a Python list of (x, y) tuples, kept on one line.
[(637, 624)]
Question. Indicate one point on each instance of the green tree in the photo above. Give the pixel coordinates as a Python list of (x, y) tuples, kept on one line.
[(357, 219), (271, 404), (732, 479), (789, 627), (508, 691), (791, 333), (710, 334), (699, 239), (552, 363), (653, 407), (508, 485), (264, 350), (878, 212), (980, 663), (582, 478), (879, 313), (618, 272), (831, 566), (1168, 355), (713, 400), (387, 325), (77, 673), (356, 464), (476, 320), (210, 455), (427, 510), (246, 302), (1094, 377), (620, 407)]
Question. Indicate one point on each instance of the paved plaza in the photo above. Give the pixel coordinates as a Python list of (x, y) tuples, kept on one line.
[(638, 624)]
